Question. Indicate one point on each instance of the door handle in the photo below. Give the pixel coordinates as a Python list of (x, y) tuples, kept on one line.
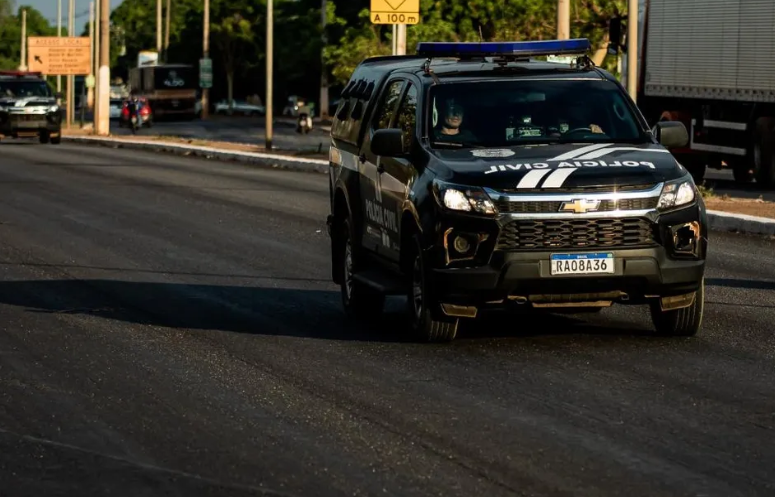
[(362, 158), (380, 169)]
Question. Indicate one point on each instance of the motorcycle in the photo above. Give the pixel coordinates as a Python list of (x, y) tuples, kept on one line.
[(134, 116), (304, 121)]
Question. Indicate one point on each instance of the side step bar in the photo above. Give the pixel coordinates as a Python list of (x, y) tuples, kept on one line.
[(382, 281)]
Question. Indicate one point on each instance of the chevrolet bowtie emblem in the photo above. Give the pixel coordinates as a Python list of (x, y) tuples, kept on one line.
[(580, 206)]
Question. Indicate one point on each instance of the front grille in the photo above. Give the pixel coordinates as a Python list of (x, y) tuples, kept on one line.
[(582, 189), (27, 117), (567, 234), (517, 207)]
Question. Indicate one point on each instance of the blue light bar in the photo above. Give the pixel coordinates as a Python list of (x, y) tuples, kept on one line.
[(578, 46)]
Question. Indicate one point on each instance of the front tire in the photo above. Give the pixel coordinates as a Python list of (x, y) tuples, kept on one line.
[(358, 300), (680, 322), (427, 320)]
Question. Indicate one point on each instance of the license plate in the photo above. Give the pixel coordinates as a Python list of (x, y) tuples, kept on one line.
[(595, 263)]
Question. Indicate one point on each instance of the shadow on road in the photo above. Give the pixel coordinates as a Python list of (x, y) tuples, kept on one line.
[(738, 283), (267, 311)]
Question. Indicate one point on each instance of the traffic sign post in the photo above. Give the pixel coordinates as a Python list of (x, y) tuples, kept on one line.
[(395, 11), (205, 73), (55, 56)]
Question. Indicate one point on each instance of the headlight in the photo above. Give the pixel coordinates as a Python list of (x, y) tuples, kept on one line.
[(53, 109), (464, 198), (676, 194)]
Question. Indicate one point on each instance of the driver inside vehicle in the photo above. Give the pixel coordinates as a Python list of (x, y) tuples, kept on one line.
[(450, 128), (578, 118)]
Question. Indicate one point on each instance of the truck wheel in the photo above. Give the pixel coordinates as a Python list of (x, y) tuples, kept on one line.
[(359, 301), (764, 153), (44, 137), (426, 318), (742, 172), (681, 322)]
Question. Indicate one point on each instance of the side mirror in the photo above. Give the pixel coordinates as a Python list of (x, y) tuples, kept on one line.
[(671, 134), (388, 143), (614, 36)]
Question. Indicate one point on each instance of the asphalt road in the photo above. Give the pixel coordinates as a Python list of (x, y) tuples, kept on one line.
[(167, 327)]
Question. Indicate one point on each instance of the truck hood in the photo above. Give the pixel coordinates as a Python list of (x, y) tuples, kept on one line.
[(26, 101), (561, 166)]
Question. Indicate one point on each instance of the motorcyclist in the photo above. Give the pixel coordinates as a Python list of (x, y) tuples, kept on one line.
[(133, 106)]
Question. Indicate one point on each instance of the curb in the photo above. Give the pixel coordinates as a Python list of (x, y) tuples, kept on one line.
[(741, 223), (256, 158)]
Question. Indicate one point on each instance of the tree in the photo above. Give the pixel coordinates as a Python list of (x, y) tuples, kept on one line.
[(233, 36), (10, 32)]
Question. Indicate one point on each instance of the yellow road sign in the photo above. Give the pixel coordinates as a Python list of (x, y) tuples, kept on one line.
[(55, 56), (395, 11)]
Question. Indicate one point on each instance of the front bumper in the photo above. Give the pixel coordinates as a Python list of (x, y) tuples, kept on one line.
[(20, 125), (670, 266)]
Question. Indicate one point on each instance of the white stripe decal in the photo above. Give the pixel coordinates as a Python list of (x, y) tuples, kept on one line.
[(600, 153), (531, 179), (557, 178), (583, 150)]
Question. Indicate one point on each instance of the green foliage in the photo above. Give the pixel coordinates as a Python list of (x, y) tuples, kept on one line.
[(11, 31), (238, 35)]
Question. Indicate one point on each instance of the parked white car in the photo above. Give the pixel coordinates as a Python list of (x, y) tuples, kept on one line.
[(240, 107)]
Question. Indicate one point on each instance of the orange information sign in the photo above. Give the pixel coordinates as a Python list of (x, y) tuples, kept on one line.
[(55, 56)]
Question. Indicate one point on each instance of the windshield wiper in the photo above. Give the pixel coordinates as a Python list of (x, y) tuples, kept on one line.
[(457, 145)]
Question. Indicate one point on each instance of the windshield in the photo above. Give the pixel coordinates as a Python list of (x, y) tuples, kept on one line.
[(21, 89), (516, 112)]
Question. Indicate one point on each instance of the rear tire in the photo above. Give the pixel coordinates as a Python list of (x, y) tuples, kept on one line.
[(428, 322), (681, 322), (56, 140), (764, 153), (743, 172), (358, 300)]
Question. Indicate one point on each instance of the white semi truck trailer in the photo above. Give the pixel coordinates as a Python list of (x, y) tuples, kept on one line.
[(711, 65)]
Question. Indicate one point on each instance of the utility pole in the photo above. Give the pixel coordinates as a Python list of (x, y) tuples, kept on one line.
[(59, 34), (632, 49), (167, 32), (71, 78), (395, 39), (269, 75), (158, 27), (401, 39), (23, 61), (96, 60), (323, 68), (563, 19), (103, 92), (90, 90), (206, 55)]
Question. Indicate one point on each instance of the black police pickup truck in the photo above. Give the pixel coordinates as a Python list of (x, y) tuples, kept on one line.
[(28, 107), (473, 176)]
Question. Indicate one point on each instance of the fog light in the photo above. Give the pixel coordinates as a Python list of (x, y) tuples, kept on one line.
[(686, 238), (461, 245)]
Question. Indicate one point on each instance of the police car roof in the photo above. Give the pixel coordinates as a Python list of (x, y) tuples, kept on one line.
[(479, 68)]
